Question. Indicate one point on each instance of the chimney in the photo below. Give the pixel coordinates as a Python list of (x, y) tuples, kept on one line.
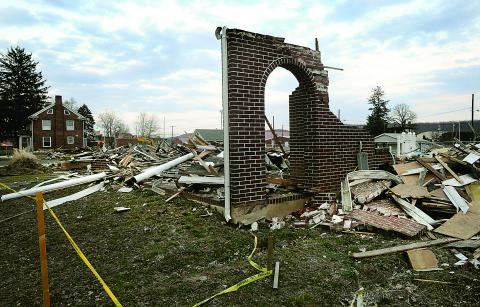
[(58, 100)]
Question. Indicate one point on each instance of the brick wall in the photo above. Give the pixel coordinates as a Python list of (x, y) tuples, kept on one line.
[(58, 131), (322, 149)]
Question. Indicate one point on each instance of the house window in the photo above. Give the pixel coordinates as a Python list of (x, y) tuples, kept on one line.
[(66, 112), (46, 124), (70, 125), (50, 111), (70, 140), (47, 141)]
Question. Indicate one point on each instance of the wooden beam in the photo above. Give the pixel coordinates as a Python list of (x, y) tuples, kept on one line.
[(275, 137), (445, 166), (430, 168), (175, 195), (402, 248)]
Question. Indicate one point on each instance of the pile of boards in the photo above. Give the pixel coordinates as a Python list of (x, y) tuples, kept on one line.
[(437, 195)]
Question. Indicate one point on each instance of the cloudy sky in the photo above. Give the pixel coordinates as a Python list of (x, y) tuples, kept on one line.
[(162, 57)]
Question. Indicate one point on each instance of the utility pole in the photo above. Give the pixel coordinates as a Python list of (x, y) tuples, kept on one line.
[(459, 131), (338, 114), (172, 132), (164, 127), (473, 106)]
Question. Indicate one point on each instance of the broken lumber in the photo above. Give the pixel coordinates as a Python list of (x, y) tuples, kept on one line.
[(462, 225), (445, 166), (175, 195), (430, 169), (402, 248), (201, 180), (417, 214), (275, 136), (423, 260)]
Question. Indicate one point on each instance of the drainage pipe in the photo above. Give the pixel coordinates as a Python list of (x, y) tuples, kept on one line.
[(221, 33), (155, 170), (55, 186)]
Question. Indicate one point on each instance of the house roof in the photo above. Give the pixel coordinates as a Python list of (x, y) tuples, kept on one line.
[(34, 115), (215, 135)]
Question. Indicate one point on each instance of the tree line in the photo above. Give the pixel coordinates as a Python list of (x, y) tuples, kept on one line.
[(382, 119)]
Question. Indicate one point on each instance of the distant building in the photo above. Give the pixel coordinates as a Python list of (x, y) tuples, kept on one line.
[(55, 126), (401, 143)]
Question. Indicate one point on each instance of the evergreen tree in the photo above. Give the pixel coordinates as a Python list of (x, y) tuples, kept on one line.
[(22, 91), (89, 122), (377, 121)]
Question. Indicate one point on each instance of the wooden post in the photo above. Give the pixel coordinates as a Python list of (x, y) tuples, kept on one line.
[(270, 252), (43, 249)]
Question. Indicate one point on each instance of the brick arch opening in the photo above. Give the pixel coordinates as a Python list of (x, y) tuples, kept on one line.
[(299, 102), (323, 149)]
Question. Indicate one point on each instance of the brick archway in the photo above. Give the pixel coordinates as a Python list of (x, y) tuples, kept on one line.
[(323, 150), (302, 130)]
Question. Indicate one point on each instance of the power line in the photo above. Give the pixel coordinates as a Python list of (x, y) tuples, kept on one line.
[(446, 112)]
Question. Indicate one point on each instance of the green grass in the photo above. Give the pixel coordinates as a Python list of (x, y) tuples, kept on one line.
[(160, 254)]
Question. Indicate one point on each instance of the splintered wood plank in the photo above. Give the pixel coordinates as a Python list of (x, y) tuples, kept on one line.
[(445, 166), (463, 225), (423, 260), (402, 248), (430, 169)]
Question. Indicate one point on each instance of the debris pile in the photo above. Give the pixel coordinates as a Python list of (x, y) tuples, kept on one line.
[(23, 162)]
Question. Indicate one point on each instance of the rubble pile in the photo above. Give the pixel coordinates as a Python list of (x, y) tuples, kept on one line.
[(431, 196)]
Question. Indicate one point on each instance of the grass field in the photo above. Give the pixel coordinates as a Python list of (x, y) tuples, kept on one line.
[(160, 254)]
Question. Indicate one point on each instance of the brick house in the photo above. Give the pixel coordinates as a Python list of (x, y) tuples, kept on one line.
[(57, 126)]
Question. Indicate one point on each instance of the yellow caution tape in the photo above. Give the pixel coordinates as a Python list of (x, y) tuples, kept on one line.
[(77, 249), (263, 273)]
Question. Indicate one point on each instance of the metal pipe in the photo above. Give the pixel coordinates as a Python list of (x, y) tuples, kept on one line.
[(221, 33), (55, 186), (155, 170)]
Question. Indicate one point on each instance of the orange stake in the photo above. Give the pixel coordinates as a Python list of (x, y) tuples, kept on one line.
[(43, 249)]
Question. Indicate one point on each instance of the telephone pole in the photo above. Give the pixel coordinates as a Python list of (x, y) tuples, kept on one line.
[(172, 132), (473, 106)]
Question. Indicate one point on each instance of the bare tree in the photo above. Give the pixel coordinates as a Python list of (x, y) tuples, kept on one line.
[(402, 117), (71, 103), (146, 125), (111, 124)]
